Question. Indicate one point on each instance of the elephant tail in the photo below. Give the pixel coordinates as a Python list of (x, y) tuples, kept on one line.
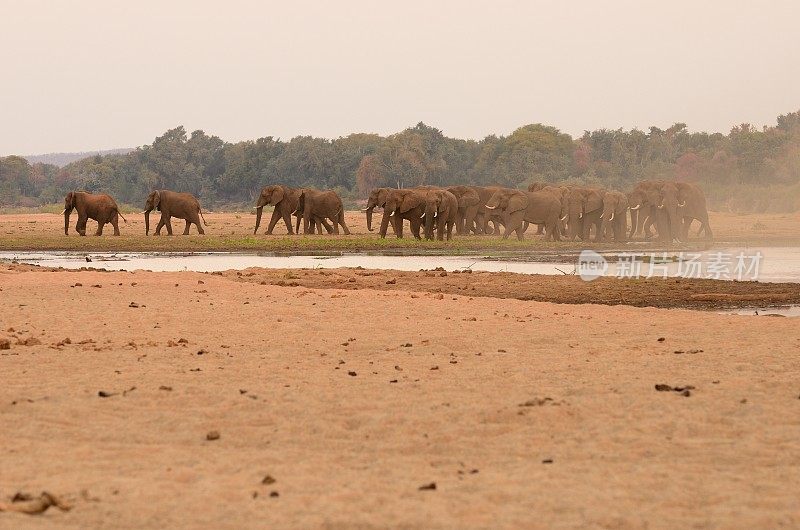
[(123, 217), (201, 216)]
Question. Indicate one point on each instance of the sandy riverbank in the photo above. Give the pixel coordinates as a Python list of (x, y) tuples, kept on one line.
[(522, 413)]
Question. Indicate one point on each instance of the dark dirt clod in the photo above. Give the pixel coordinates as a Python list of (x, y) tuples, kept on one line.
[(431, 486), (212, 435), (274, 494), (352, 374), (391, 282), (661, 339), (547, 461), (104, 394), (5, 344), (268, 479), (165, 388)]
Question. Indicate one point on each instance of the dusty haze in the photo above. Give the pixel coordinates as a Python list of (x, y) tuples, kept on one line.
[(91, 75)]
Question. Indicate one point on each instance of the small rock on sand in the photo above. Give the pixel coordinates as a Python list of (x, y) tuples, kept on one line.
[(212, 435)]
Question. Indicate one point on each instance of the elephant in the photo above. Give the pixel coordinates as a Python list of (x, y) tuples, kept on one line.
[(100, 207), (615, 215), (442, 206), (488, 215), (517, 206), (683, 202), (692, 204), (560, 193), (469, 203), (172, 204), (285, 201), (398, 205), (316, 204), (643, 200), (583, 209)]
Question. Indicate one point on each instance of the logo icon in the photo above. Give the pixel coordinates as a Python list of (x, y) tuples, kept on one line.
[(591, 265)]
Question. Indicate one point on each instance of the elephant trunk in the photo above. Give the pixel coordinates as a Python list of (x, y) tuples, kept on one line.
[(429, 218), (66, 220), (369, 219), (259, 211), (147, 222)]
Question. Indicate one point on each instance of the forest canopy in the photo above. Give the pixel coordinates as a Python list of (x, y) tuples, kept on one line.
[(747, 170)]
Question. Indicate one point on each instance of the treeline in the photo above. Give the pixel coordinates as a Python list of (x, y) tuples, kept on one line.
[(748, 169)]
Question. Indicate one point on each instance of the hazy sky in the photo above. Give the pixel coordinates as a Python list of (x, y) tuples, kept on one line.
[(84, 75)]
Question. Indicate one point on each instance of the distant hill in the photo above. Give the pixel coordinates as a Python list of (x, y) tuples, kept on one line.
[(62, 159)]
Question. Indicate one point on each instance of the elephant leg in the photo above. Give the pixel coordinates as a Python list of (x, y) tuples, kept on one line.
[(159, 226), (168, 224), (344, 225), (335, 226), (287, 218), (274, 220), (398, 226), (199, 225), (540, 229), (99, 228), (186, 230), (328, 227), (115, 224), (385, 225), (80, 225), (415, 227)]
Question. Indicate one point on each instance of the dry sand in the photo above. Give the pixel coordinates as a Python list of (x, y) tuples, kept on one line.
[(522, 413)]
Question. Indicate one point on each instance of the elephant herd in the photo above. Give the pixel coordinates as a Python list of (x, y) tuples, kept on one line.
[(559, 211), (568, 211)]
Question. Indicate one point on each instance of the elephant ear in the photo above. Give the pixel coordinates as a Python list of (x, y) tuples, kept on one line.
[(157, 200), (70, 199), (411, 200), (518, 201), (470, 198), (277, 195), (594, 201)]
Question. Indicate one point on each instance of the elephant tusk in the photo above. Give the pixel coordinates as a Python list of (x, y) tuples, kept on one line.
[(564, 218), (491, 207), (636, 207), (257, 207), (580, 216), (611, 218), (681, 204), (660, 206), (422, 216), (62, 211)]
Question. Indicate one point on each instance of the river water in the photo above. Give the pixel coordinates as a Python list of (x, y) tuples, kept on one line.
[(768, 264)]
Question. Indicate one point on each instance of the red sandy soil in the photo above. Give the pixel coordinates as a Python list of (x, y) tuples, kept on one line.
[(522, 413)]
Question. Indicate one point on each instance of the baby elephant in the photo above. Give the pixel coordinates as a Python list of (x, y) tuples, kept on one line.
[(171, 204)]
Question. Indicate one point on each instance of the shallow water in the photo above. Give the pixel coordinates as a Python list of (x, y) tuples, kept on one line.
[(776, 264)]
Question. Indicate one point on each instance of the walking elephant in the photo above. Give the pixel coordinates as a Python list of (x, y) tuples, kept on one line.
[(583, 209), (100, 207), (285, 201), (692, 204), (316, 204), (172, 204), (398, 205), (643, 200), (441, 206), (518, 207), (615, 215), (469, 203), (681, 203)]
